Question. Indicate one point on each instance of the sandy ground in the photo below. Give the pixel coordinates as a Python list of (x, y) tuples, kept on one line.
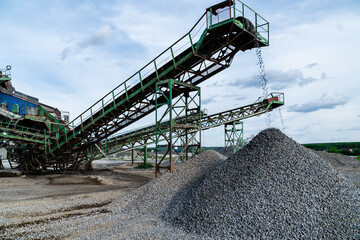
[(107, 176), (28, 200)]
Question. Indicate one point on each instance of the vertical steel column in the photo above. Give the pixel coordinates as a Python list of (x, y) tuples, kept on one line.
[(234, 135), (181, 130), (145, 155), (132, 155)]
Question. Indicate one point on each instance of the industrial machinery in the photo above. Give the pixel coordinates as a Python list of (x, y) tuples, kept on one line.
[(169, 81), (21, 113), (26, 110), (133, 139)]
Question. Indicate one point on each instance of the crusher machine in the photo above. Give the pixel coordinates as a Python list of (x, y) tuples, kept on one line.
[(24, 122)]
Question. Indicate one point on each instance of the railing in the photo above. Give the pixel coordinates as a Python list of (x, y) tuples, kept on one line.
[(240, 9), (148, 126), (169, 54), (189, 40), (5, 74), (11, 130), (260, 106), (275, 97)]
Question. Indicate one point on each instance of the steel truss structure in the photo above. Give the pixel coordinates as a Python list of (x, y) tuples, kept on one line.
[(147, 135), (234, 135), (181, 132)]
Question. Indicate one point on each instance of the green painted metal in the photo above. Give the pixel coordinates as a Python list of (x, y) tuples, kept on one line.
[(138, 137), (75, 133), (9, 130), (239, 24), (123, 85), (5, 75), (193, 62), (21, 137), (15, 108), (145, 155), (176, 130), (132, 156), (219, 24), (57, 124), (234, 136)]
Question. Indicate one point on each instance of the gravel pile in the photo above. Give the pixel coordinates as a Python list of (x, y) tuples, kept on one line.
[(339, 160), (107, 215), (347, 166), (227, 152), (158, 193), (274, 188), (140, 218)]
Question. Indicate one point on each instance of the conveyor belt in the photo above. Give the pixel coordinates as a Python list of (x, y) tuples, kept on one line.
[(205, 50), (146, 135)]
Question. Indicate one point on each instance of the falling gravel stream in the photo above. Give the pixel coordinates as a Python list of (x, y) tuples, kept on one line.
[(264, 86)]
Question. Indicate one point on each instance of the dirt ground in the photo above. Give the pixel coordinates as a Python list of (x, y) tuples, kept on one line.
[(105, 177), (29, 200)]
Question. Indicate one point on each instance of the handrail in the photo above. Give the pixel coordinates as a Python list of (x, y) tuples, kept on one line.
[(205, 117), (191, 40), (206, 124), (126, 85), (12, 130), (136, 74)]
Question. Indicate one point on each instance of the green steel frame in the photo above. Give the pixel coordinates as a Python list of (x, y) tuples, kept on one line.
[(11, 131), (234, 135), (179, 132), (5, 75), (208, 48), (138, 137), (205, 50), (142, 153)]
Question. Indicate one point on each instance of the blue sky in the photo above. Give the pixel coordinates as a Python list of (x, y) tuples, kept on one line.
[(71, 53)]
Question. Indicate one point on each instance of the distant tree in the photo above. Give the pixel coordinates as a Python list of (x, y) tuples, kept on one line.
[(333, 150), (346, 152)]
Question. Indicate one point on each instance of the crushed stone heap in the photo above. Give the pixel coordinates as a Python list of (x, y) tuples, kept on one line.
[(158, 193), (274, 188)]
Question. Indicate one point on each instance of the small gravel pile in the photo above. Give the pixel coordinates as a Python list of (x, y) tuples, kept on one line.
[(227, 152), (158, 193), (347, 166), (140, 219), (274, 188), (339, 160)]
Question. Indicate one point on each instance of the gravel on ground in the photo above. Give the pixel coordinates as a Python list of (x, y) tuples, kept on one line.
[(273, 188)]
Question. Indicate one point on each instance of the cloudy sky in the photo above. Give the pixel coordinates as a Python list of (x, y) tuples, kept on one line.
[(70, 53)]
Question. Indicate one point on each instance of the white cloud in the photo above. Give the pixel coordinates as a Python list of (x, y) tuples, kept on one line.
[(154, 30), (326, 101), (207, 101), (277, 80), (311, 65), (101, 37)]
